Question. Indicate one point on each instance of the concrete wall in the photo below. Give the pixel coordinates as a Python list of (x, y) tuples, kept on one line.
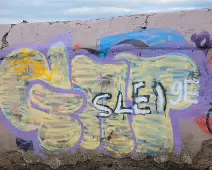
[(127, 86)]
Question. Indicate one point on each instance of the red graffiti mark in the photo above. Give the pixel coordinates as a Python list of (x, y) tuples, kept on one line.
[(77, 47), (210, 60), (201, 122)]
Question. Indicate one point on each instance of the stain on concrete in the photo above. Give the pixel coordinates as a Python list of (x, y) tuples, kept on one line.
[(203, 158), (14, 160)]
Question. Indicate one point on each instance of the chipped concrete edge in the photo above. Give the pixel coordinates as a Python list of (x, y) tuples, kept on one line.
[(4, 42)]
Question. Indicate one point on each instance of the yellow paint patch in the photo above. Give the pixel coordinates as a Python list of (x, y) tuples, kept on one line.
[(94, 78), (59, 131), (23, 63)]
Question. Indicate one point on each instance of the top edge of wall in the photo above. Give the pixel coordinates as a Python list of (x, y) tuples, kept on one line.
[(106, 18)]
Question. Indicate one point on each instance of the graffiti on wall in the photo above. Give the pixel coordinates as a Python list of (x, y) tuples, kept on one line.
[(126, 99), (203, 41), (21, 65)]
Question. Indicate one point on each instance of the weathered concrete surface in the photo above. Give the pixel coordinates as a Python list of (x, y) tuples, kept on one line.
[(197, 149), (15, 160), (88, 33)]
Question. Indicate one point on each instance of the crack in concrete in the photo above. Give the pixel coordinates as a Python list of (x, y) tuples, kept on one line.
[(111, 22), (4, 38), (146, 21)]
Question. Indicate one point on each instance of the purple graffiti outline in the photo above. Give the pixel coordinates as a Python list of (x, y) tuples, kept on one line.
[(61, 91), (65, 38), (111, 61), (201, 62), (198, 57)]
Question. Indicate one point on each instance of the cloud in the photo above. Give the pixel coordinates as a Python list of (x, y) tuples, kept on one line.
[(89, 11), (55, 10)]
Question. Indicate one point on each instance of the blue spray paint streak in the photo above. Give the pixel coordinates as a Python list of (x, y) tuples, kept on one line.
[(151, 37)]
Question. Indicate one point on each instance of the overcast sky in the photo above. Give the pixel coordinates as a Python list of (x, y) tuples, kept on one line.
[(15, 11)]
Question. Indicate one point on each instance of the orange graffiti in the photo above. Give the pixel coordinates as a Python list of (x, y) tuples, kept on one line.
[(77, 47), (22, 65), (210, 60), (201, 122)]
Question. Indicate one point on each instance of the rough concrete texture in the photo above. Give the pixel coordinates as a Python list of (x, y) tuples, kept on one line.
[(197, 146), (88, 33)]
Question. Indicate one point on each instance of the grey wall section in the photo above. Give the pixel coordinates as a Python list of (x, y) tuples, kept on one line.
[(195, 133), (88, 33)]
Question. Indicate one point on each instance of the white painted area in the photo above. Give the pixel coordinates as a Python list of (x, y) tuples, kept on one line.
[(138, 111), (137, 86), (180, 88), (193, 81), (187, 94), (161, 98), (141, 99), (106, 111), (118, 109)]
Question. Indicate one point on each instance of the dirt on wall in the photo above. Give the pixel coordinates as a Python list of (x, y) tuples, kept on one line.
[(14, 160), (20, 160)]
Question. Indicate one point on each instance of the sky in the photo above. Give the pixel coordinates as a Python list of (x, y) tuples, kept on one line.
[(15, 11)]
